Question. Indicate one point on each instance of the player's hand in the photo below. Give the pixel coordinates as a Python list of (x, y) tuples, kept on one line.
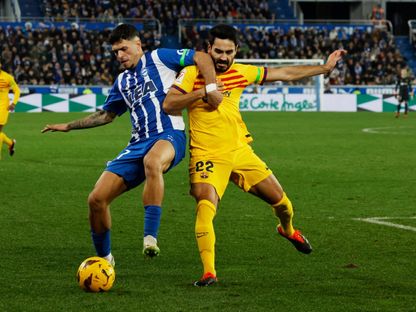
[(333, 58), (56, 127), (214, 98), (11, 107)]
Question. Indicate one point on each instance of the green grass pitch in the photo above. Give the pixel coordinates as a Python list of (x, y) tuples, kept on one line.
[(335, 167)]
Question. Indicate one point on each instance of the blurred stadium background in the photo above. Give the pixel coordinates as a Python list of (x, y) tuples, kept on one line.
[(58, 53)]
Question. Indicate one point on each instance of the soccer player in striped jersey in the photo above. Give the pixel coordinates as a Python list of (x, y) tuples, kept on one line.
[(157, 139), (7, 82), (219, 149)]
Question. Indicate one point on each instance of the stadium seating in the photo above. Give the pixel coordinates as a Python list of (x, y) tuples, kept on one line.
[(61, 56), (166, 11), (79, 56), (373, 57)]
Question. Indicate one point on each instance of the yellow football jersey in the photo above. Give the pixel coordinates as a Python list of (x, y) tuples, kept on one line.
[(6, 83), (222, 130)]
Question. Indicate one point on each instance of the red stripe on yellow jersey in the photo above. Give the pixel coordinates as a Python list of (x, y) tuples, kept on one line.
[(221, 130)]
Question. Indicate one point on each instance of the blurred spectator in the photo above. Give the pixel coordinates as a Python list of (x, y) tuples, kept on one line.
[(377, 16), (61, 56), (372, 58), (78, 56), (167, 12), (377, 13)]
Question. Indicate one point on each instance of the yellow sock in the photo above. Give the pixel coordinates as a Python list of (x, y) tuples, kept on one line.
[(205, 235), (5, 139), (284, 211)]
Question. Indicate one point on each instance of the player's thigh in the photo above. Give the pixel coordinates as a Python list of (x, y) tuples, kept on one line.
[(269, 189), (168, 150), (248, 169), (4, 115), (161, 154), (209, 170), (108, 186)]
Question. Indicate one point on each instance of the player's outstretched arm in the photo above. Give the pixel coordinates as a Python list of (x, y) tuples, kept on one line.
[(291, 73), (206, 67), (94, 120)]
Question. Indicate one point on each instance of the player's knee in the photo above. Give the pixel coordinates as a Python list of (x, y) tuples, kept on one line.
[(152, 165), (96, 203)]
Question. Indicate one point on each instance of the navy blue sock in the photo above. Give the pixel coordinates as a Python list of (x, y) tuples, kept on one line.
[(152, 216), (102, 243)]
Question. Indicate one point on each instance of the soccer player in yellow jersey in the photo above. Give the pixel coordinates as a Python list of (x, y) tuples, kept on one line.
[(218, 141), (6, 83)]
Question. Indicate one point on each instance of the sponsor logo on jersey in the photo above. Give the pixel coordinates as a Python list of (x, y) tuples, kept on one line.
[(227, 93), (201, 234)]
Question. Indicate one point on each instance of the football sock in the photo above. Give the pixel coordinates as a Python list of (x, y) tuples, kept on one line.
[(152, 215), (205, 235), (102, 243), (284, 211), (5, 139)]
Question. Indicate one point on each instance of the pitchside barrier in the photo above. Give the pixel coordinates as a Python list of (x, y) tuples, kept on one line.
[(290, 102)]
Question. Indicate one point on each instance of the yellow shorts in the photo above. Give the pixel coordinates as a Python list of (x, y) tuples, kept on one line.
[(245, 166), (4, 114)]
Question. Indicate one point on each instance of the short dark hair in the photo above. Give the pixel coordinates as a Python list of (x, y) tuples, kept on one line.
[(123, 32), (222, 31)]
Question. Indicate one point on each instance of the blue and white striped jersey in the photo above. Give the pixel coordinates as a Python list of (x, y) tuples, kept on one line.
[(143, 89)]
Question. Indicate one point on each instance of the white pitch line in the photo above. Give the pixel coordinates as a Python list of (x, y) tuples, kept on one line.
[(386, 223), (387, 130)]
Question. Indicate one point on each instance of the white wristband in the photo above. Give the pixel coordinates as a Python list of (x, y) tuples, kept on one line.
[(210, 87)]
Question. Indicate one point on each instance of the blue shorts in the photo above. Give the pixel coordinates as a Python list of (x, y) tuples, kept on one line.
[(129, 163)]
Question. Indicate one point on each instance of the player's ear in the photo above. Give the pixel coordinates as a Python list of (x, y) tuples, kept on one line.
[(209, 48), (138, 43)]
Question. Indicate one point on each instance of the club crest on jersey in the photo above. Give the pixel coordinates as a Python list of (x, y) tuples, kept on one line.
[(180, 77), (144, 72), (182, 51)]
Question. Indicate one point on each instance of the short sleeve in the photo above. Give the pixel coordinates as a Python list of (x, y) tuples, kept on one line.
[(255, 74), (186, 79), (176, 59), (115, 102)]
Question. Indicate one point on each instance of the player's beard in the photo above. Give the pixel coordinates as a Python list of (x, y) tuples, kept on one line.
[(128, 65), (222, 69)]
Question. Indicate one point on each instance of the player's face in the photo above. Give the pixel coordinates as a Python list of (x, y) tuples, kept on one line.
[(128, 52), (222, 52)]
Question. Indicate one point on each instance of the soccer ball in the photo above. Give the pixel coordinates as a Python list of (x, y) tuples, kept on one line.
[(96, 274)]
